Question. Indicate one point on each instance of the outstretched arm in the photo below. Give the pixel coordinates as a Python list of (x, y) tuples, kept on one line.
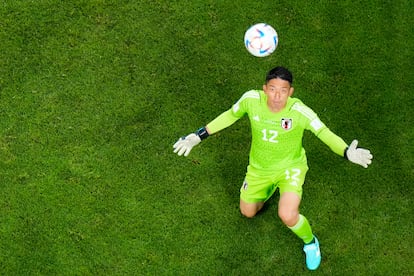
[(223, 121), (185, 144), (354, 154)]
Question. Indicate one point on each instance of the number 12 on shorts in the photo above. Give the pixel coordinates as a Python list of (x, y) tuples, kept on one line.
[(293, 174)]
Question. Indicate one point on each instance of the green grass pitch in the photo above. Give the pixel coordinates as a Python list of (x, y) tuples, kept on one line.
[(93, 94)]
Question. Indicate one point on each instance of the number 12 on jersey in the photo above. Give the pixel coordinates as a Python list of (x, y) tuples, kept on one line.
[(270, 135)]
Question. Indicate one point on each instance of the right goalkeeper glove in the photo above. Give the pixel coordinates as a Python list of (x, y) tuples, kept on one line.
[(185, 144)]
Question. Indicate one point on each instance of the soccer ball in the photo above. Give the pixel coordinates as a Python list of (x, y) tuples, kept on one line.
[(260, 40)]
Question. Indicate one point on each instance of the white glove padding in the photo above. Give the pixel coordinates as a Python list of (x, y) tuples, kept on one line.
[(358, 155), (185, 144)]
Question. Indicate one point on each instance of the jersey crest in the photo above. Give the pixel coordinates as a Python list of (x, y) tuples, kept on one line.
[(286, 123)]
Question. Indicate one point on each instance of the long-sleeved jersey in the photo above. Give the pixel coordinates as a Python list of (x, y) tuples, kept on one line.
[(277, 137)]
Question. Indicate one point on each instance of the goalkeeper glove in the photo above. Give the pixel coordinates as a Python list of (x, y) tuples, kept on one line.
[(358, 156), (185, 144)]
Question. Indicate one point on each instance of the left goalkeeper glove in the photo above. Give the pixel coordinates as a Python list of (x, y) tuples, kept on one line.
[(358, 156)]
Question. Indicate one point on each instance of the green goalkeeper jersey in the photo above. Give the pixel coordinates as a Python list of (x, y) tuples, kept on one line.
[(277, 137)]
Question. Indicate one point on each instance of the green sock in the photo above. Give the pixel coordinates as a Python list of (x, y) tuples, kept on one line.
[(303, 230)]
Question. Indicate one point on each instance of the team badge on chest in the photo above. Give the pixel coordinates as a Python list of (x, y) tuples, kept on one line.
[(286, 124)]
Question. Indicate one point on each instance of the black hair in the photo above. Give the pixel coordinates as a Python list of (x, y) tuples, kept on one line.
[(281, 73)]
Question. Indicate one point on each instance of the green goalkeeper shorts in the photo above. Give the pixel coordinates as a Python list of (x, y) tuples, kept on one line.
[(259, 185)]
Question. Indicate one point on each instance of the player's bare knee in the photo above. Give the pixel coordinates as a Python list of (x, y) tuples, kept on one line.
[(288, 217), (248, 213), (250, 210)]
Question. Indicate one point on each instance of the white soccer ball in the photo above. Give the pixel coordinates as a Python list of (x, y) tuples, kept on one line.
[(261, 40)]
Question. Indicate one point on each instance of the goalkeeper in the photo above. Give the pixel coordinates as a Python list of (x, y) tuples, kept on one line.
[(277, 158)]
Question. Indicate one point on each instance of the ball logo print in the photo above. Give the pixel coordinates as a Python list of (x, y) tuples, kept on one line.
[(261, 40)]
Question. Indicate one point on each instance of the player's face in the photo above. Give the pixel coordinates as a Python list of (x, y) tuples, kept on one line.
[(278, 91)]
